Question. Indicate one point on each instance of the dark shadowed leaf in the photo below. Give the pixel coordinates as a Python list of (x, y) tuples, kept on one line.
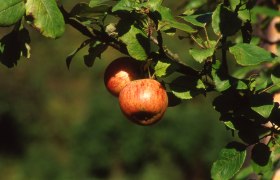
[(199, 20), (173, 100), (261, 161), (71, 55), (13, 46), (249, 55), (261, 154), (221, 79), (94, 52), (275, 76), (225, 21), (11, 11), (229, 162), (262, 104), (186, 87), (45, 16)]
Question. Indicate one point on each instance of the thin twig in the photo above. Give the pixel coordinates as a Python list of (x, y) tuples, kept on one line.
[(200, 45)]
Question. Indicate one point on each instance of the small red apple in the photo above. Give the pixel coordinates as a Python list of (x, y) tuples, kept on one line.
[(143, 101), (119, 73)]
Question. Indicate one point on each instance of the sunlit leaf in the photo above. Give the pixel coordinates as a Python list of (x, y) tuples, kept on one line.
[(220, 79), (45, 16), (137, 43), (249, 55), (200, 55), (230, 125), (194, 4), (11, 11), (125, 5), (229, 162), (167, 18), (244, 172), (95, 3), (161, 68)]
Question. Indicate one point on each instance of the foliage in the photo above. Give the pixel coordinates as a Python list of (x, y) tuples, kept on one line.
[(223, 47)]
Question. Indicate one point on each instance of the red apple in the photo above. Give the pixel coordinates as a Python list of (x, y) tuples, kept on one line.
[(143, 101), (119, 73)]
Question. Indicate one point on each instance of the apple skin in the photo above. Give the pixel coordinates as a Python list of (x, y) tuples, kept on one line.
[(143, 101), (119, 73)]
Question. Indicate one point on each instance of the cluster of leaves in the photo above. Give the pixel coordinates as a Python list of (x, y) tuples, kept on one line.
[(231, 61)]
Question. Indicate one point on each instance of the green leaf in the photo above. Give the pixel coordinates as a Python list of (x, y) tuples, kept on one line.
[(153, 4), (241, 85), (199, 20), (84, 10), (262, 104), (186, 87), (229, 162), (223, 81), (195, 4), (164, 15), (95, 3), (220, 79), (137, 43), (200, 55), (225, 21), (265, 11), (243, 71), (244, 173), (250, 55), (230, 125), (11, 11), (161, 68), (45, 16), (167, 17), (260, 82), (275, 147), (126, 5)]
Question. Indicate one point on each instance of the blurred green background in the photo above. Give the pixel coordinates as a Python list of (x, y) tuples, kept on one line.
[(62, 124)]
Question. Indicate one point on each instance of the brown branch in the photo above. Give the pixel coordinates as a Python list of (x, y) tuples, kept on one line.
[(96, 35), (93, 34)]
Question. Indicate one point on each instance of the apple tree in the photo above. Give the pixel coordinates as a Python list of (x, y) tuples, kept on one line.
[(229, 40)]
